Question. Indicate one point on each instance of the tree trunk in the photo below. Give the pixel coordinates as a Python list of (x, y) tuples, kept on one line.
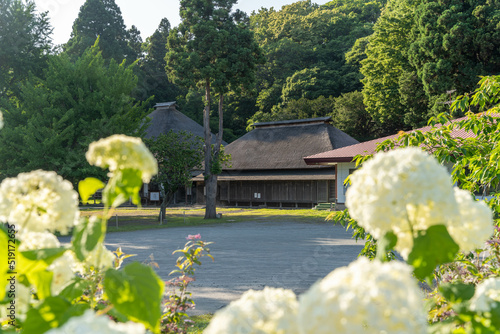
[(210, 208), (167, 197), (211, 190)]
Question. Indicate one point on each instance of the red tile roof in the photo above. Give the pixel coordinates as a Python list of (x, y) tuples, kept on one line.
[(347, 153)]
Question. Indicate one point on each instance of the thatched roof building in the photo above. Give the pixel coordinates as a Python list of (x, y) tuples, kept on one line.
[(268, 165), (166, 117)]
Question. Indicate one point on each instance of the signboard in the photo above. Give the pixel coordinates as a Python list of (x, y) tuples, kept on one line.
[(154, 196)]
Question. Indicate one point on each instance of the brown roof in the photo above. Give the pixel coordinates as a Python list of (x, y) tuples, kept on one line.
[(166, 117), (346, 154), (282, 145), (274, 175)]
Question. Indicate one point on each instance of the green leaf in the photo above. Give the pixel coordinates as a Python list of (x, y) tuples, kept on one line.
[(52, 312), (386, 244), (33, 265), (123, 185), (75, 289), (457, 292), (86, 236), (88, 187), (136, 291), (431, 248)]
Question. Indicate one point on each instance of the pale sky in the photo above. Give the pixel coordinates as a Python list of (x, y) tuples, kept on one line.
[(144, 14)]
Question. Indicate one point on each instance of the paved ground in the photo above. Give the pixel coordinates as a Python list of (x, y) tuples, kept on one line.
[(247, 256)]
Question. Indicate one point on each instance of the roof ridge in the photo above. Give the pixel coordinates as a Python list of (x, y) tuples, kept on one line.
[(325, 119)]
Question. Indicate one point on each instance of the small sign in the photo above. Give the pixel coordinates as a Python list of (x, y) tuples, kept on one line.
[(154, 196)]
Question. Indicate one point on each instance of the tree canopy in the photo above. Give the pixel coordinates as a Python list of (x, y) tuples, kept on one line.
[(305, 45), (422, 53), (25, 44), (154, 79), (103, 19), (59, 116)]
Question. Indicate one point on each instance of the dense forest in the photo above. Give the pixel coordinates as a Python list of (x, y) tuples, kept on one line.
[(375, 66)]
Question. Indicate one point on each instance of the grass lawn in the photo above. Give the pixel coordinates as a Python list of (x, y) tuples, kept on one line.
[(200, 323), (131, 219)]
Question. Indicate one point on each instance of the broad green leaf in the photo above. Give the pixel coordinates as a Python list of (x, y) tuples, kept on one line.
[(136, 291), (86, 236), (456, 292), (75, 289), (52, 312), (123, 185), (42, 280), (430, 249), (33, 264), (88, 187), (386, 244)]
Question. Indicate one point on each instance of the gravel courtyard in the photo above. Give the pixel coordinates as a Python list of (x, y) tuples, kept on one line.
[(248, 255)]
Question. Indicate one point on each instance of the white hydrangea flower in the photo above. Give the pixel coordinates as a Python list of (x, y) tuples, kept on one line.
[(63, 270), (90, 322), (100, 257), (397, 188), (39, 201), (475, 225), (365, 297), (1, 120), (269, 311), (37, 240), (121, 152), (486, 295)]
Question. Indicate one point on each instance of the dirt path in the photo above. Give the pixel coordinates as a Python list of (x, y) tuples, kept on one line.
[(249, 255)]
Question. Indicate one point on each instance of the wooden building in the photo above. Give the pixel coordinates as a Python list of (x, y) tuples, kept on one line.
[(268, 167)]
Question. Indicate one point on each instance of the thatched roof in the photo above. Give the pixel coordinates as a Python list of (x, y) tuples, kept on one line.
[(166, 117), (284, 144)]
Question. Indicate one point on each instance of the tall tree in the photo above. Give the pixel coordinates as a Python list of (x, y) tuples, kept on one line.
[(59, 116), (454, 42), (212, 48), (24, 44), (135, 43), (386, 66), (422, 52), (155, 81), (103, 19)]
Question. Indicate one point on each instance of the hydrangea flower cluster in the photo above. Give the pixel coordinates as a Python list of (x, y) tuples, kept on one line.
[(271, 310), (90, 322), (37, 240), (63, 269), (475, 224), (39, 201), (100, 258), (120, 152), (365, 297), (407, 190), (487, 294)]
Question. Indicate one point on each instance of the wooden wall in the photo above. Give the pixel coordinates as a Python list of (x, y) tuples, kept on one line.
[(277, 191)]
